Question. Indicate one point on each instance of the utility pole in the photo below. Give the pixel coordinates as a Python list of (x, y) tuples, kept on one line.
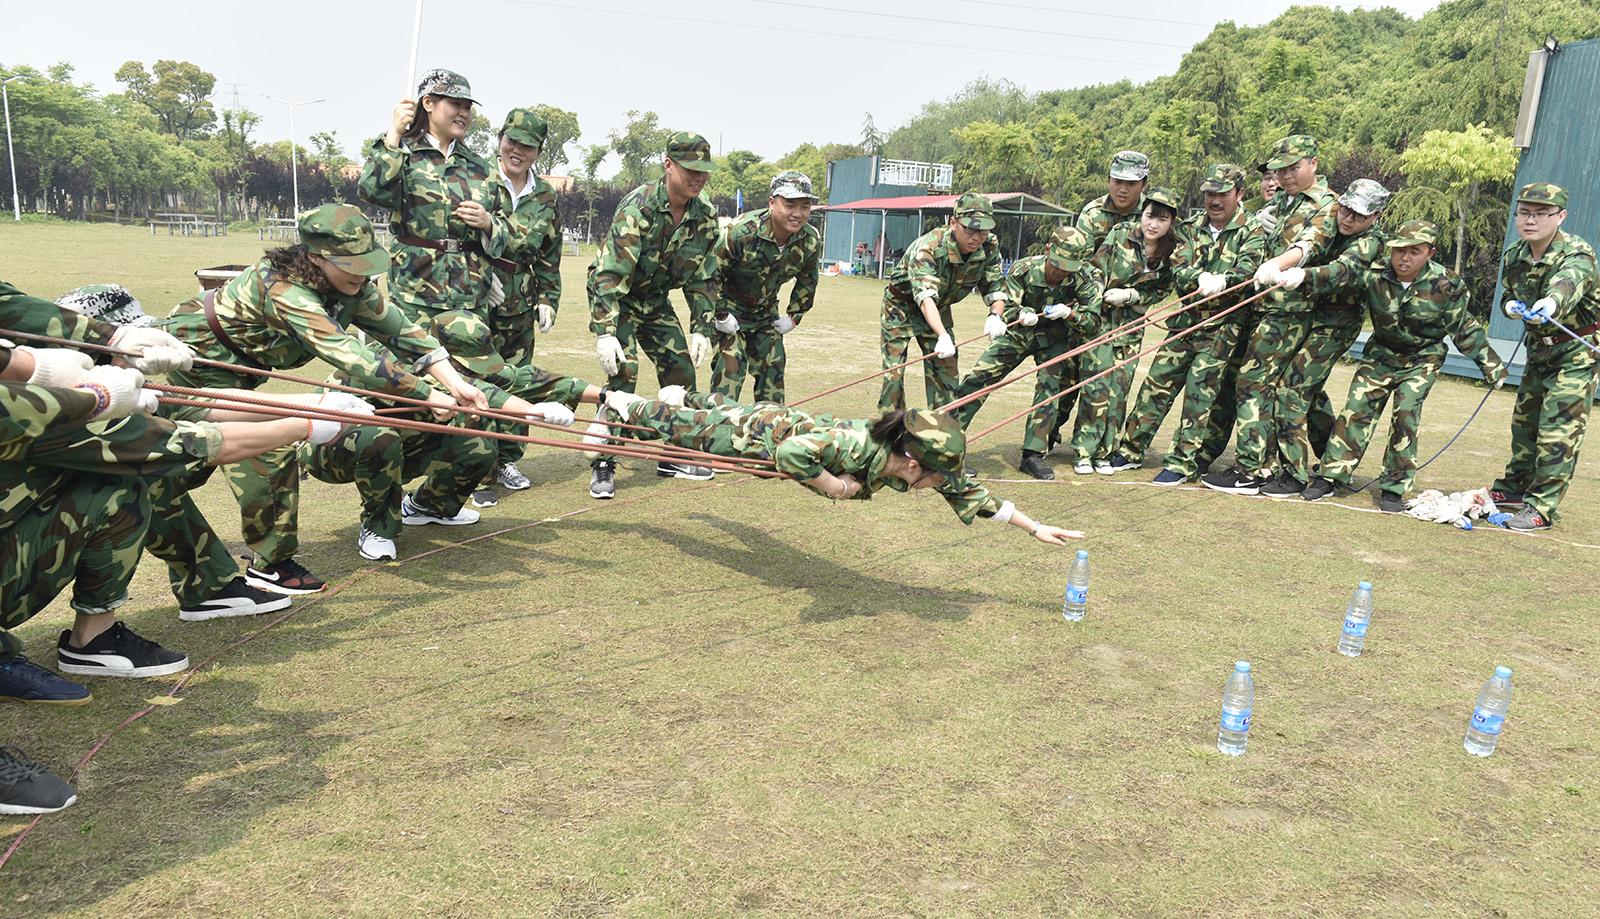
[(294, 159), (11, 156)]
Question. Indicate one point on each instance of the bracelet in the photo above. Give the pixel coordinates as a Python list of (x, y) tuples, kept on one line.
[(102, 397)]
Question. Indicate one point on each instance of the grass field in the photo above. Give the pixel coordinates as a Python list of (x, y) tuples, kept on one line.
[(739, 698)]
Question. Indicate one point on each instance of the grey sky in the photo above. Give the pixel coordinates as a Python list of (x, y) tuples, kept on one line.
[(765, 75)]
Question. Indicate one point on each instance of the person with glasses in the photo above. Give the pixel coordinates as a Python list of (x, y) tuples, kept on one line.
[(1548, 274)]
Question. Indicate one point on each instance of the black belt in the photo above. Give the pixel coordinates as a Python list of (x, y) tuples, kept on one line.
[(1560, 337), (440, 245)]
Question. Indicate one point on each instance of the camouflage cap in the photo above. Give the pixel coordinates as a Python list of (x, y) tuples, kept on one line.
[(1414, 233), (1291, 150), (441, 82), (1222, 178), (106, 302), (975, 211), (343, 235), (691, 151), (1365, 196), (1162, 196), (935, 440), (524, 126), (1068, 249), (1543, 193), (791, 184), (1130, 166)]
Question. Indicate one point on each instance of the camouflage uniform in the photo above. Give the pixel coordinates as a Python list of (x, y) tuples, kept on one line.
[(934, 268), (1402, 358), (1195, 364), (644, 256), (1559, 377), (273, 321), (440, 263), (1284, 319), (1080, 289), (1097, 219), (753, 268)]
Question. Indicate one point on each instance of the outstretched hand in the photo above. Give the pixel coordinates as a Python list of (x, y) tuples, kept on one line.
[(1055, 536)]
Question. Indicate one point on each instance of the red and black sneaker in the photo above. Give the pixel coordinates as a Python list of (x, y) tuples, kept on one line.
[(285, 577), (1505, 499), (1529, 519)]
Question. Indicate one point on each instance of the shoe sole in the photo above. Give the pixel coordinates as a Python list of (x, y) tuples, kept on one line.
[(62, 703), (1077, 471), (1233, 490), (424, 521), (602, 495), (1168, 484), (21, 809), (685, 475), (254, 609), (510, 487), (260, 583), (480, 504), (1282, 496), (134, 673), (375, 558)]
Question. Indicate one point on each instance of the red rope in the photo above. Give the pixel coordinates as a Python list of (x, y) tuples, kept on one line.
[(878, 373)]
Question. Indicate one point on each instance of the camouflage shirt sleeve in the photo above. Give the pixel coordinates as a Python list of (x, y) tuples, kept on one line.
[(993, 283), (1571, 279), (1472, 340), (545, 280), (612, 271), (969, 499), (804, 294), (806, 456), (26, 411), (1345, 272), (38, 316), (304, 316), (700, 287), (922, 269), (380, 175)]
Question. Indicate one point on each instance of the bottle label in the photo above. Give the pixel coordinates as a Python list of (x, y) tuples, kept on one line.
[(1487, 722), (1355, 628), (1236, 721), (1077, 594)]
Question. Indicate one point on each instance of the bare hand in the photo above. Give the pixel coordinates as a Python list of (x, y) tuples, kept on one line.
[(404, 112), (469, 396), (473, 215), (850, 486), (1055, 536), (444, 406)]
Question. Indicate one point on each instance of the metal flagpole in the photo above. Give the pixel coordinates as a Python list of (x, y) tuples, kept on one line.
[(11, 156), (411, 65)]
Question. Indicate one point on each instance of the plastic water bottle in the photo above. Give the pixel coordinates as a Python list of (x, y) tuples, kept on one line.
[(1077, 595), (1356, 617), (1238, 697), (1489, 715)]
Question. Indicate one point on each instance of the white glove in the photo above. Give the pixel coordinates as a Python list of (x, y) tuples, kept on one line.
[(1514, 308), (149, 402), (994, 327), (1292, 278), (619, 401), (1268, 220), (727, 325), (497, 290), (1122, 296), (119, 387), (1542, 309), (1211, 284), (547, 317), (672, 395), (944, 347), (555, 413), (1057, 311), (1028, 318), (699, 348), (62, 367), (158, 352), (1266, 275), (783, 324), (326, 431), (609, 350)]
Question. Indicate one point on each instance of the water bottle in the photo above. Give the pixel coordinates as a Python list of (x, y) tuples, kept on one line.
[(1356, 617), (1489, 715), (1237, 699), (1077, 596)]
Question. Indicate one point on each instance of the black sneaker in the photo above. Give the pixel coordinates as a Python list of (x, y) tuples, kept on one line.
[(285, 577), (683, 471), (1318, 489), (1391, 503), (1505, 499), (602, 479), (1284, 485), (1033, 464), (236, 598), (485, 497), (1167, 478), (21, 680), (118, 651), (1234, 481), (1120, 462), (29, 788), (1529, 519)]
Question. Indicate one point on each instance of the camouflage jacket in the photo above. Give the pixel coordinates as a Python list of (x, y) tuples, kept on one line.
[(1120, 260), (42, 317), (1097, 220), (1235, 252), (848, 449), (1080, 290), (281, 324), (533, 242), (644, 256), (1332, 261), (753, 268), (934, 267), (1292, 213), (421, 187), (1410, 324), (1566, 274)]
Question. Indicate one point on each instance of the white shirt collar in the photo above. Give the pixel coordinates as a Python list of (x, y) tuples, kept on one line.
[(434, 142), (516, 194)]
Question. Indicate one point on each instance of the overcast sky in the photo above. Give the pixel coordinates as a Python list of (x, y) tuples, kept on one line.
[(764, 75)]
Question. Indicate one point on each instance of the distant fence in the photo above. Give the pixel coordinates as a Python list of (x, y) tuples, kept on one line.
[(187, 225)]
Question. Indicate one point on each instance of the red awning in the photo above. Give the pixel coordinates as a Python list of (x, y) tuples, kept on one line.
[(913, 203), (1011, 203)]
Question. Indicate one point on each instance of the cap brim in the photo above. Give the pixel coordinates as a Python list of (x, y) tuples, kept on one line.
[(368, 264), (978, 223), (1063, 264), (696, 165), (527, 140), (1215, 189), (1402, 243), (1127, 176), (1279, 162), (1358, 209), (1546, 202), (793, 194)]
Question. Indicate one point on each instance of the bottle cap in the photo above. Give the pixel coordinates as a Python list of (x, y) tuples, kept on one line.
[(1244, 667), (1083, 553), (1366, 585), (1503, 673)]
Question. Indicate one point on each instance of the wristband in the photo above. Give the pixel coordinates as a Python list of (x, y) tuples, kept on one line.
[(102, 397)]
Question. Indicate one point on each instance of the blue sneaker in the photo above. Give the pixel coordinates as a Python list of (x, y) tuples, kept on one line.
[(21, 680), (1168, 477)]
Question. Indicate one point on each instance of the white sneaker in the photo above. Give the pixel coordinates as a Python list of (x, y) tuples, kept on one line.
[(511, 478), (1083, 467), (1104, 467), (375, 547), (411, 515)]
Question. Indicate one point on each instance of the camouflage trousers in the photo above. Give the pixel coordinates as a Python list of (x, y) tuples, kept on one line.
[(380, 461), (757, 350), (1305, 415), (1194, 366), (1278, 337), (940, 375), (654, 329), (512, 327), (1103, 403), (714, 423), (1374, 383), (1219, 424), (1048, 339), (1548, 422), (90, 536)]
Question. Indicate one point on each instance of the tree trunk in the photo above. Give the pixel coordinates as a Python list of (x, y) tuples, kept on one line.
[(1463, 207)]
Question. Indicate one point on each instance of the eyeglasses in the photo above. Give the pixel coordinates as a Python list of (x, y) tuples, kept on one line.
[(1535, 215)]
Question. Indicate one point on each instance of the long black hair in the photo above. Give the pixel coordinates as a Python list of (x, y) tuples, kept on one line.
[(890, 430), (294, 263), (1162, 249)]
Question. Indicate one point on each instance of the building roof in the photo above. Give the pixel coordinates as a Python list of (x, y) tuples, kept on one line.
[(1012, 203)]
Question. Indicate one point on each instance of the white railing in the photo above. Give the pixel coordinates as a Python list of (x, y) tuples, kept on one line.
[(933, 176)]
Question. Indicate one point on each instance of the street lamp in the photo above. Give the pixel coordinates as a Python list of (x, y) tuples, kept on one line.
[(294, 159), (11, 156)]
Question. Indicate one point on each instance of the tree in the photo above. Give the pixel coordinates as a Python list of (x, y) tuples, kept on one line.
[(481, 137), (178, 92), (640, 145), (871, 138), (1449, 168), (563, 131)]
